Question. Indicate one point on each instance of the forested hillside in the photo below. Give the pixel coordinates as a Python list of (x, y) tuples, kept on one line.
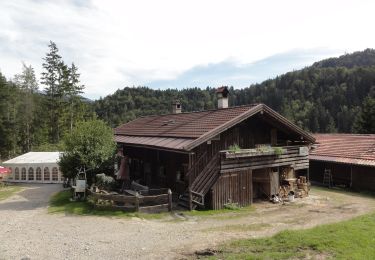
[(333, 95), (325, 97)]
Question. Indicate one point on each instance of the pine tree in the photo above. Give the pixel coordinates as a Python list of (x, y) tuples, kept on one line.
[(74, 89), (51, 78)]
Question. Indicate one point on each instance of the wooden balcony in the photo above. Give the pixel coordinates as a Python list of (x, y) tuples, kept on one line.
[(296, 157)]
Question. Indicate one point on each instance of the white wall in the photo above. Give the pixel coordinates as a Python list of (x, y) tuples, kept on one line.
[(50, 166)]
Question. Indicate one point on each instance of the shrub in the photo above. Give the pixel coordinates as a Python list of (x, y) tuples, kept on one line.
[(231, 206), (105, 182), (278, 150), (234, 148)]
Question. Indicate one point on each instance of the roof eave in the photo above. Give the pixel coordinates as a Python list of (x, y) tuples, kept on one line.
[(156, 148)]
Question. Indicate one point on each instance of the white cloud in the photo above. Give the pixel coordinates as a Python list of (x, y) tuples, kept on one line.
[(119, 43)]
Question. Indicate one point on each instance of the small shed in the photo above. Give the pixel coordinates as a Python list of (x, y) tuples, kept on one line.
[(35, 167), (347, 159)]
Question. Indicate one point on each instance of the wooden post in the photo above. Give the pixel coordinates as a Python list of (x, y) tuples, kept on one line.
[(169, 200), (190, 199), (308, 174), (136, 202)]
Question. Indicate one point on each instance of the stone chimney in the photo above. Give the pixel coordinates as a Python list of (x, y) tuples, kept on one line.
[(222, 97), (176, 107)]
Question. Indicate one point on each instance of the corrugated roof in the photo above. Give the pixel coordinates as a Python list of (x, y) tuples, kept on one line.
[(185, 131), (35, 157), (356, 149)]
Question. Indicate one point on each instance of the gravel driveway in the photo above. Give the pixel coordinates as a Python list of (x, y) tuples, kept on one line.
[(29, 232)]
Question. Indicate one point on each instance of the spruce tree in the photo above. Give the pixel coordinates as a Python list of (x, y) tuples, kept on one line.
[(51, 78)]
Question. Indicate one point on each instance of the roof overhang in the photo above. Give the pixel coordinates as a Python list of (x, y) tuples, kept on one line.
[(343, 160), (157, 143)]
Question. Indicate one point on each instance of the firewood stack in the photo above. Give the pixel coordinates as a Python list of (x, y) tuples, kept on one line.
[(299, 186), (303, 187)]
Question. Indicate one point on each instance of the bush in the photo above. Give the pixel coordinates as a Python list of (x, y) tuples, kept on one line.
[(278, 150), (105, 182), (234, 148), (231, 206)]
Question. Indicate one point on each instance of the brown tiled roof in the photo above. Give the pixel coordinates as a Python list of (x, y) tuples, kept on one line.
[(345, 148), (185, 131), (183, 125)]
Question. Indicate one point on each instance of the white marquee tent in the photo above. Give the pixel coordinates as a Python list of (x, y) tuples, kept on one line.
[(35, 167)]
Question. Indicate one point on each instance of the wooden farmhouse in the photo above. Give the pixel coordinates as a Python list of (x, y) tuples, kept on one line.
[(197, 154), (344, 159)]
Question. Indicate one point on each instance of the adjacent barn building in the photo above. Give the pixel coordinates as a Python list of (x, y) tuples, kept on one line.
[(344, 159), (35, 167), (214, 157)]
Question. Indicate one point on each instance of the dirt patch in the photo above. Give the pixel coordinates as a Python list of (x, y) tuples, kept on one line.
[(28, 228)]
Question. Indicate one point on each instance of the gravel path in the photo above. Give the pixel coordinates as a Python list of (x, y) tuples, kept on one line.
[(28, 231)]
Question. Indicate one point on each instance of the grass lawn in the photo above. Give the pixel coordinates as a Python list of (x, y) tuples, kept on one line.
[(352, 239), (8, 190)]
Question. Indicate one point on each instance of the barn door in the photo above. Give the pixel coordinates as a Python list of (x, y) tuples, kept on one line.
[(245, 187)]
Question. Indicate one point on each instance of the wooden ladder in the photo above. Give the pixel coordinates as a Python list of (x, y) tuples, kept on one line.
[(327, 178)]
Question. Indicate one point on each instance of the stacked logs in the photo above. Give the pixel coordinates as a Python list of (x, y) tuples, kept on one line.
[(303, 187), (299, 186)]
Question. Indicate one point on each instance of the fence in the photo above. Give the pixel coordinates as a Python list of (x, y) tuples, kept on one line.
[(148, 201)]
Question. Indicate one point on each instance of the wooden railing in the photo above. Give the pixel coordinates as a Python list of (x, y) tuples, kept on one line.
[(204, 181), (197, 168), (154, 200)]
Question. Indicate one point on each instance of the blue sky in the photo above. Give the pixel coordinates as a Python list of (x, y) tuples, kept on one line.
[(180, 44)]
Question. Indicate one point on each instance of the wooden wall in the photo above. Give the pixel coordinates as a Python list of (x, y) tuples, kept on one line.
[(235, 187), (266, 183), (255, 130), (363, 178), (355, 176), (340, 172)]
